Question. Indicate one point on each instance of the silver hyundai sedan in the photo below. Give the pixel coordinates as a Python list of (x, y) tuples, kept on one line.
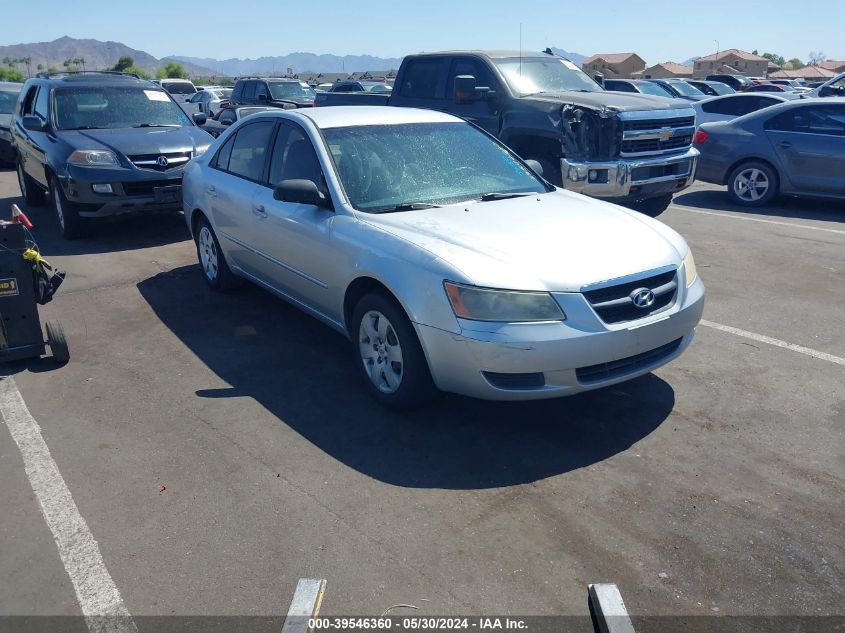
[(442, 256)]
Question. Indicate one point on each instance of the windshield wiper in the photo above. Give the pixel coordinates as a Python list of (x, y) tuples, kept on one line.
[(408, 206), (157, 125), (85, 127), (495, 195)]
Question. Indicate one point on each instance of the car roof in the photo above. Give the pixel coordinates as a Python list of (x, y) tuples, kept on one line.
[(353, 116), (493, 54), (95, 79)]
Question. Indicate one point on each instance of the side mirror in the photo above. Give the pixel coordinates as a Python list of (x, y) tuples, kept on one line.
[(599, 79), (301, 192), (200, 118), (536, 167), (33, 123), (464, 89), (226, 121)]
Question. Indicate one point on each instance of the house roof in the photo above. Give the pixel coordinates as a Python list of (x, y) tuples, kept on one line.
[(814, 72), (832, 64), (674, 67), (610, 58), (731, 51)]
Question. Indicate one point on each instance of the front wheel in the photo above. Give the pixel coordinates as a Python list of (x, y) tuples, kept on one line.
[(57, 341), (71, 224), (388, 353), (753, 184)]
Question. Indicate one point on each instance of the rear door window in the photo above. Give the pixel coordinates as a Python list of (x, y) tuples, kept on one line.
[(249, 151), (424, 79)]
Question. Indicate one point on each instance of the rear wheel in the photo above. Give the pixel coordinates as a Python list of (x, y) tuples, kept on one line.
[(388, 353), (753, 184), (652, 207), (32, 194), (71, 224), (215, 270), (57, 341)]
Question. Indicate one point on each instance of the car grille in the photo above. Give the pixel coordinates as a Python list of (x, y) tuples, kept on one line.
[(175, 160), (641, 137), (625, 366), (146, 187), (614, 304)]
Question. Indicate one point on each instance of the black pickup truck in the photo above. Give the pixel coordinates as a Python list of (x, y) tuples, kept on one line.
[(632, 149)]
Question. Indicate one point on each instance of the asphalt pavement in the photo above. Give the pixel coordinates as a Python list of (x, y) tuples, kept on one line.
[(219, 447)]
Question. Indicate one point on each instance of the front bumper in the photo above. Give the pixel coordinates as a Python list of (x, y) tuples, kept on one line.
[(486, 362), (634, 178), (134, 191)]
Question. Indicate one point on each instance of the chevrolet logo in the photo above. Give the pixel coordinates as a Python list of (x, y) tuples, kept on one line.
[(666, 133)]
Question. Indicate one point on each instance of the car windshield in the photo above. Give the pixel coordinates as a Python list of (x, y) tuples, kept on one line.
[(657, 90), (7, 101), (115, 107), (377, 88), (291, 90), (686, 89), (383, 167), (179, 87), (532, 75)]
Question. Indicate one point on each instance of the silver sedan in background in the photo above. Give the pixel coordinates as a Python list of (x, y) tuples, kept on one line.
[(445, 258), (209, 100)]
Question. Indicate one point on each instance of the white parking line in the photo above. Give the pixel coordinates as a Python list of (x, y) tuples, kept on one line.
[(760, 338), (98, 596), (747, 219)]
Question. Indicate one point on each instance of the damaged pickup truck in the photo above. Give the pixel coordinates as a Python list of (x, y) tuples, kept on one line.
[(628, 148)]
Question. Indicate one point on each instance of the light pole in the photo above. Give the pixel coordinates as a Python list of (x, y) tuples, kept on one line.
[(717, 47)]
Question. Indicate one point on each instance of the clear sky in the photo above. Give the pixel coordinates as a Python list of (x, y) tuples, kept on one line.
[(659, 30)]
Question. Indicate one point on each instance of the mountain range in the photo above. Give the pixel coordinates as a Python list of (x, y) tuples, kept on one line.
[(100, 55), (97, 55)]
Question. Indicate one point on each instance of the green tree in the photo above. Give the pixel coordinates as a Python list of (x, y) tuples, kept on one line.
[(795, 63), (123, 63), (12, 74), (778, 60), (71, 65), (143, 74), (173, 70)]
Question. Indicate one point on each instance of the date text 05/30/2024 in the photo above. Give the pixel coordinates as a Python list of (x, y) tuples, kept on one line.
[(418, 623)]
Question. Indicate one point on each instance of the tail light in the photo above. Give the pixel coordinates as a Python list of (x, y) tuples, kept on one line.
[(700, 137)]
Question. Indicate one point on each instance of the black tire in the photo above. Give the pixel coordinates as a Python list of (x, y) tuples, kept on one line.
[(57, 341), (415, 384), (652, 207), (551, 171), (765, 174), (71, 225), (218, 276), (31, 192)]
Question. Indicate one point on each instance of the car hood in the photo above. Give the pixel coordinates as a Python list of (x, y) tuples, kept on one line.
[(558, 241), (133, 141), (616, 101)]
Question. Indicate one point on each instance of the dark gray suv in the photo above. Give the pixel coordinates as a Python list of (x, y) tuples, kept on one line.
[(102, 144)]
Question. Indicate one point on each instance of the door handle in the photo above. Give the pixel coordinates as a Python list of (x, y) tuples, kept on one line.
[(211, 191), (785, 144), (258, 210)]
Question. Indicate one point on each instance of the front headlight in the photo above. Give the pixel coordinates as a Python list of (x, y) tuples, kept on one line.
[(689, 269), (93, 158), (200, 151), (506, 306)]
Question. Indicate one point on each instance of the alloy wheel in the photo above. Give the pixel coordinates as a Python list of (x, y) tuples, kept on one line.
[(208, 253), (380, 352), (751, 184)]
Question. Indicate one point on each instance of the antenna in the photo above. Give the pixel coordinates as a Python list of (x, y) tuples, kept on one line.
[(520, 49)]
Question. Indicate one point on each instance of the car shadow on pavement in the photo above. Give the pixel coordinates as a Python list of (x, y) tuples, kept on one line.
[(303, 373), (108, 235), (781, 207)]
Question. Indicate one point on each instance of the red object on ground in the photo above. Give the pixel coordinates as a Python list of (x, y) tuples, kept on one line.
[(19, 217), (163, 488)]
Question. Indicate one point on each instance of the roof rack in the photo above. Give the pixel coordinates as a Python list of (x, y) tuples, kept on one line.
[(64, 73)]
